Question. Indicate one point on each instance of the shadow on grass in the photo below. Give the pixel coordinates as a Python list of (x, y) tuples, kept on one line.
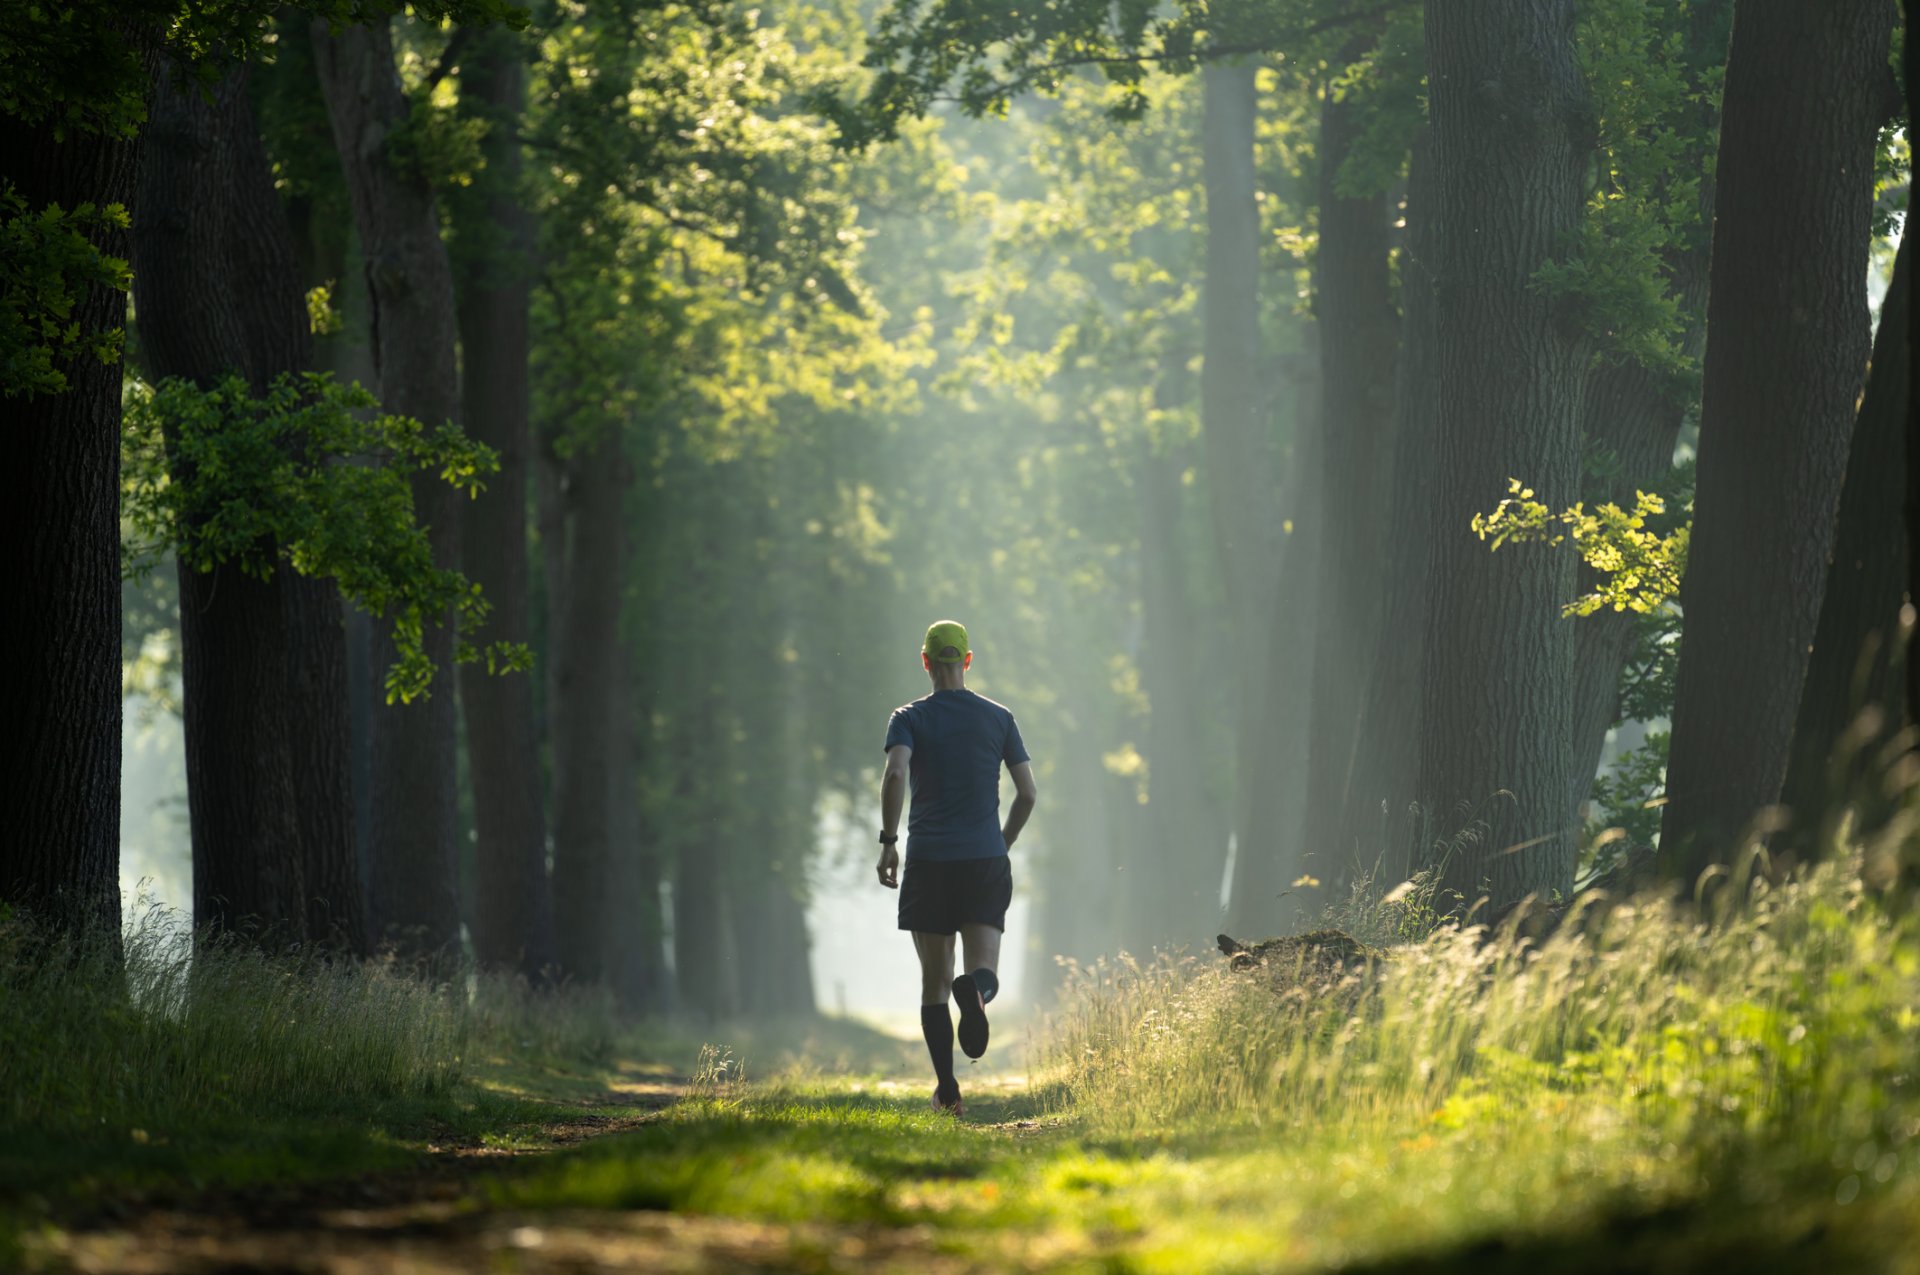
[(784, 1153), (1804, 1233)]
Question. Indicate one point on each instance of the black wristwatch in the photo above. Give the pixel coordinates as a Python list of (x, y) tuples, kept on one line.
[(887, 839)]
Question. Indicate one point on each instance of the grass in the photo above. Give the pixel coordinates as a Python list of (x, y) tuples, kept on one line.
[(1644, 1090)]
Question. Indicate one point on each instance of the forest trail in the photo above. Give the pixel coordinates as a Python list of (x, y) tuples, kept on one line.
[(436, 1216), (427, 1217)]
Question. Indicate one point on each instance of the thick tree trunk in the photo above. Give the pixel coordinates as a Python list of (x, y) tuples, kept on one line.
[(319, 726), (1353, 304), (415, 812), (204, 250), (703, 948), (586, 660), (1635, 412), (1511, 136), (61, 700), (1786, 350), (1237, 449), (512, 907), (1854, 698), (1382, 818), (1176, 898), (636, 961)]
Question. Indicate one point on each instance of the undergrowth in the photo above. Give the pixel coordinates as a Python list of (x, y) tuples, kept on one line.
[(1773, 1042)]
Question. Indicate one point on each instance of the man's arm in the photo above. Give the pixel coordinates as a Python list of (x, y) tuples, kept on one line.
[(893, 795), (1024, 794)]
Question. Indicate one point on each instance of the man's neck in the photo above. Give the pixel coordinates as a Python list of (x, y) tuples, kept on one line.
[(956, 680)]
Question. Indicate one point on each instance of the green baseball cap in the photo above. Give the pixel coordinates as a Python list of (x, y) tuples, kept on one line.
[(942, 634)]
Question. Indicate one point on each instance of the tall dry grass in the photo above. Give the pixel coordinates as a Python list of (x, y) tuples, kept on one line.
[(1786, 1025)]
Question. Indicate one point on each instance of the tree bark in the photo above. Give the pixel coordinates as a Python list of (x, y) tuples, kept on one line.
[(1382, 812), (586, 660), (1786, 351), (1237, 450), (512, 907), (415, 811), (1635, 412), (61, 700), (1854, 669), (636, 961), (1511, 135), (208, 312), (1175, 897), (1353, 304), (278, 338)]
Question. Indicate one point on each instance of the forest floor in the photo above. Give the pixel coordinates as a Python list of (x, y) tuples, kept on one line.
[(641, 1166)]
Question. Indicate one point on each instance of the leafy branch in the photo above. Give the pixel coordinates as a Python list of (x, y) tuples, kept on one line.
[(1638, 564), (309, 476)]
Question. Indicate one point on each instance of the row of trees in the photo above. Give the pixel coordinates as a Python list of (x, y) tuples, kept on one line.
[(1548, 221), (1186, 385)]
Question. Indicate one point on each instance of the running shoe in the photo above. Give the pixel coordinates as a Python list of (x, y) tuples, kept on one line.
[(973, 1016), (948, 1102)]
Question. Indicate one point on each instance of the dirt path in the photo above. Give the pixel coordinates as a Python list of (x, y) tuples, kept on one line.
[(429, 1218), (421, 1219)]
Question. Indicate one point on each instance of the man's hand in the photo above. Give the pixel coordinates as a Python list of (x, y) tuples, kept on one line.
[(889, 867)]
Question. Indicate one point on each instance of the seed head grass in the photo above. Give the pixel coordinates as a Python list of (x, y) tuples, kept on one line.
[(1645, 1089)]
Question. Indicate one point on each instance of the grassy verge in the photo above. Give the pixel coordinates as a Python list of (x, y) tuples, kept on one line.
[(1644, 1091), (169, 1073)]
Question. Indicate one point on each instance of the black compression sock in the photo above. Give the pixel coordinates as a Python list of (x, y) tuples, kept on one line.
[(988, 982), (936, 1024)]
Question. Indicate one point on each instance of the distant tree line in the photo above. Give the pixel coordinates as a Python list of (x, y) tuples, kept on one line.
[(1343, 419)]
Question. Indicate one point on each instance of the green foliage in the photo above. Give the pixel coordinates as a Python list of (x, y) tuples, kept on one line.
[(435, 142), (1637, 556), (322, 318), (49, 258), (1628, 796), (82, 68), (1655, 100), (309, 476), (983, 57)]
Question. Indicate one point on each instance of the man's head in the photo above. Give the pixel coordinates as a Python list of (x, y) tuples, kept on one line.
[(946, 648)]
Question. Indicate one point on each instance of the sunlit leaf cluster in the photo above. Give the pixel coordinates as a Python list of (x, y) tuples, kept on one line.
[(311, 477), (1637, 554)]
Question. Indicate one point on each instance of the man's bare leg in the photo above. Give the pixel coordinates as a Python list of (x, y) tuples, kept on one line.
[(973, 989), (936, 1023)]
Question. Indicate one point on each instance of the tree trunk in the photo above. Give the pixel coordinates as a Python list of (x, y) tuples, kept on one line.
[(1382, 818), (1511, 135), (586, 661), (1786, 349), (61, 700), (1237, 449), (415, 811), (1353, 304), (1076, 889), (1635, 412), (1176, 897), (204, 250), (512, 907), (1854, 669), (636, 961)]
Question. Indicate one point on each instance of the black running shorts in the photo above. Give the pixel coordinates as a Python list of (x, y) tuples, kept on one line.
[(939, 896)]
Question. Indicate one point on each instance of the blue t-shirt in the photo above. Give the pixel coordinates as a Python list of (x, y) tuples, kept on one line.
[(959, 740)]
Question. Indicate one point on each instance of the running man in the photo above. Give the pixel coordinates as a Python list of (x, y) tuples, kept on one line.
[(948, 748)]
